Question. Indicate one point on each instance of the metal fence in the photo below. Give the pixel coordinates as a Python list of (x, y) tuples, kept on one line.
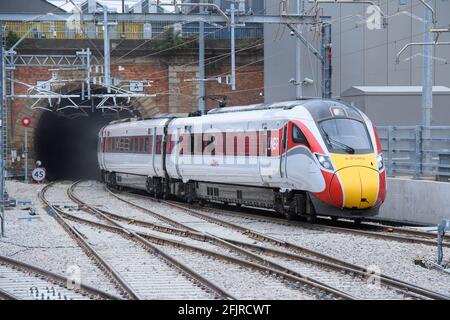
[(421, 152), (127, 30)]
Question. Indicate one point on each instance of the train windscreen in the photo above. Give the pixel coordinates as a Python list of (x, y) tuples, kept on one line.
[(346, 136)]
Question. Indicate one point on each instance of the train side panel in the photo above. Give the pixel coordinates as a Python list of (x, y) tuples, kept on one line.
[(133, 148)]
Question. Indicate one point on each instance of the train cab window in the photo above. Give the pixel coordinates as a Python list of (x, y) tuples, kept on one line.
[(346, 136), (298, 136)]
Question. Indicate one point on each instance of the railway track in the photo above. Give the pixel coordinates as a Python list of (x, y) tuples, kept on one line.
[(372, 230), (364, 229), (301, 262), (138, 268), (23, 281), (298, 286)]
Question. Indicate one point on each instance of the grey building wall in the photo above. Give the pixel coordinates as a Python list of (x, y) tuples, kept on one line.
[(257, 6), (399, 105), (361, 57)]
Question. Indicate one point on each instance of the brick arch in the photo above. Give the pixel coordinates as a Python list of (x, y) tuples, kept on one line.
[(147, 107)]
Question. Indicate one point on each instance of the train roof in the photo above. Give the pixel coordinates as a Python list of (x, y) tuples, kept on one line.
[(320, 109), (256, 107)]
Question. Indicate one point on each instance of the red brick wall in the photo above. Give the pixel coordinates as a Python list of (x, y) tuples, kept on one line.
[(155, 73), (29, 76), (184, 96), (249, 85)]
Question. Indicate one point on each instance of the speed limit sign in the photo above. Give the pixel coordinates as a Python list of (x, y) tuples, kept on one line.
[(38, 174)]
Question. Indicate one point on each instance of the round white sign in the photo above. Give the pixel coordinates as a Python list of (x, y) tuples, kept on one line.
[(38, 174)]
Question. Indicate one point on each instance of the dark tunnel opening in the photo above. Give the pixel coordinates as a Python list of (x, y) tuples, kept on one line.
[(66, 141)]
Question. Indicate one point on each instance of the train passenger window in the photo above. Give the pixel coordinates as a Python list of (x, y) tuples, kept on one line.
[(158, 144), (247, 146), (145, 143), (192, 141), (298, 136), (150, 144), (180, 145), (141, 144)]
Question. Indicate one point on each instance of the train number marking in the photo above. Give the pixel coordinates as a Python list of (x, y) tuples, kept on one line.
[(38, 174)]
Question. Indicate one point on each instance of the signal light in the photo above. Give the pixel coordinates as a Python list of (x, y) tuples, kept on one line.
[(26, 121)]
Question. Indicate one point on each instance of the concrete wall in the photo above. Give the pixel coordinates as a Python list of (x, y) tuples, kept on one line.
[(360, 56), (415, 201), (401, 109)]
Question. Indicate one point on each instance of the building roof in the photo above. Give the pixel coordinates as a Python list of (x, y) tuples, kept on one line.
[(391, 90), (29, 6)]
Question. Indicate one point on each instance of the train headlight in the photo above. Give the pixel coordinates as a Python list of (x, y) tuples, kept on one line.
[(380, 162), (325, 162)]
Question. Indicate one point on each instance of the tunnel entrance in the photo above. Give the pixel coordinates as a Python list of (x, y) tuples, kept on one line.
[(66, 141)]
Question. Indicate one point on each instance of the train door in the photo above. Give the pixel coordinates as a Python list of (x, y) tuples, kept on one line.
[(176, 150), (153, 149), (299, 163), (270, 160), (101, 149), (283, 152)]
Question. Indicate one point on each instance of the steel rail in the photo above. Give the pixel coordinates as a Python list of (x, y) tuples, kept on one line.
[(257, 235), (265, 265), (54, 277), (247, 264), (262, 237), (418, 235), (264, 215), (253, 247), (332, 262), (88, 249), (131, 235), (236, 246), (7, 296)]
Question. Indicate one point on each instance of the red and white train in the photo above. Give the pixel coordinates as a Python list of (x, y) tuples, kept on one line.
[(303, 157)]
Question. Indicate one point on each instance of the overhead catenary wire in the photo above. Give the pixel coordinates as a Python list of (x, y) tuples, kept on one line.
[(222, 74), (212, 60), (167, 49)]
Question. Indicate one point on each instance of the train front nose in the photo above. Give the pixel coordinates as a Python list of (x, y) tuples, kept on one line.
[(359, 186)]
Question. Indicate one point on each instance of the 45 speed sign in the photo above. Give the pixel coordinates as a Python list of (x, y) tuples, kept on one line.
[(38, 174)]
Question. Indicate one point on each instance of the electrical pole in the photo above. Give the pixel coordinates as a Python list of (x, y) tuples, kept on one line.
[(201, 67), (123, 22), (427, 72), (298, 56), (233, 48), (107, 52), (326, 61), (2, 165), (427, 81)]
